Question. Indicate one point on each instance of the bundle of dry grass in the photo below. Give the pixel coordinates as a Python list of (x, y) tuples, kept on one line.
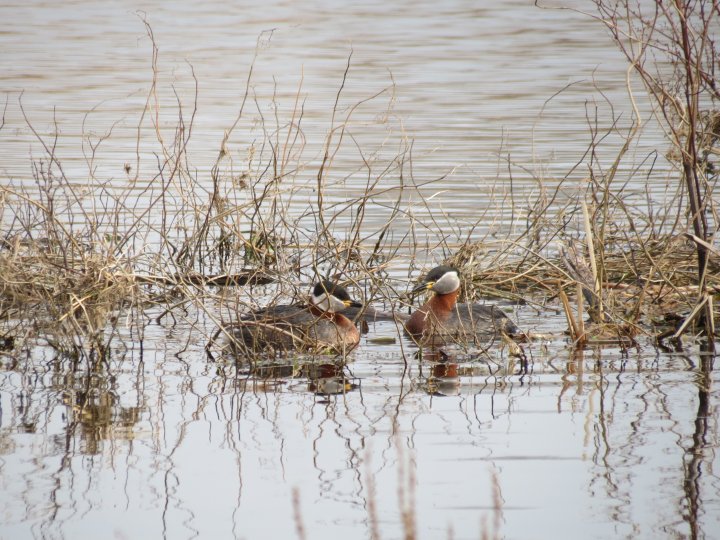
[(71, 300), (649, 287)]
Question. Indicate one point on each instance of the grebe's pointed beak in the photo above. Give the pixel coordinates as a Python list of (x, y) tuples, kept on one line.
[(424, 286), (352, 303)]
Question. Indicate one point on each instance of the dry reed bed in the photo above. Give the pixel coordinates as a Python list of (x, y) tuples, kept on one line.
[(67, 278), (70, 291), (665, 265)]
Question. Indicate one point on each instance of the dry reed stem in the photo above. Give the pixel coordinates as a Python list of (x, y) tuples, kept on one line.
[(593, 264), (575, 334)]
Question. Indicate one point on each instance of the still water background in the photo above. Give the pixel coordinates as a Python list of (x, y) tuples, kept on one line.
[(608, 444)]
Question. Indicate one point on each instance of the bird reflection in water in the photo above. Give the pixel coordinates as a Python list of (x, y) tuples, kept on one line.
[(324, 378), (328, 379), (442, 377), (274, 370)]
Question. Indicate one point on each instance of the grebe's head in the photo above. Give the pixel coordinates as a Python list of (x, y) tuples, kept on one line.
[(329, 296), (441, 279)]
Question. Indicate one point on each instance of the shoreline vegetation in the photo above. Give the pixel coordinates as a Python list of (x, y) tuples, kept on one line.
[(80, 258)]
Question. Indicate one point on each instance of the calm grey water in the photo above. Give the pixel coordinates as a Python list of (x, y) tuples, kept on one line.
[(609, 444), (478, 93)]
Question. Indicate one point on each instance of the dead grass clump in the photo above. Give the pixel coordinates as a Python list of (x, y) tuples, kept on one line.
[(647, 286), (69, 301)]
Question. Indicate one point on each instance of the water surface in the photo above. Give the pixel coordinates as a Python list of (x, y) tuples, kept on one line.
[(495, 103)]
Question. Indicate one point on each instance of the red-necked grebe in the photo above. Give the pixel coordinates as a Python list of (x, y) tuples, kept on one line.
[(316, 326), (441, 319)]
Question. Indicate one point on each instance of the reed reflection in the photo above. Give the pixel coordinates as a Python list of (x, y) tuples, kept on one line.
[(94, 406), (629, 412), (299, 412), (90, 395), (69, 408), (698, 458)]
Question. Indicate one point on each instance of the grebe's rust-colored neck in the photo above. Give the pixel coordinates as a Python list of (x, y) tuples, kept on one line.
[(346, 329), (349, 332), (341, 320), (320, 312), (437, 309), (443, 303)]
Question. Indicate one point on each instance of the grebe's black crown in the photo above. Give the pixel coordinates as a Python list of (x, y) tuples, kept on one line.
[(329, 296), (439, 271), (328, 287)]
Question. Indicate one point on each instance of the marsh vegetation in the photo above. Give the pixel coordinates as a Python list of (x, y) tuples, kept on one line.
[(93, 267)]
